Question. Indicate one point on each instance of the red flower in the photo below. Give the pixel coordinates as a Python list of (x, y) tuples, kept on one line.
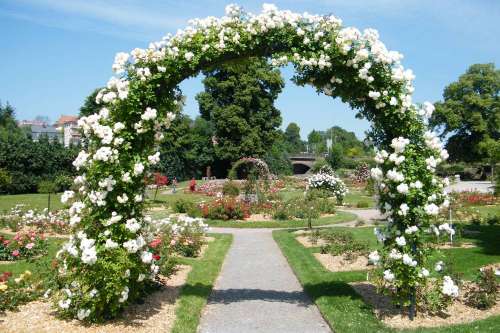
[(154, 244), (5, 276), (156, 257), (15, 253)]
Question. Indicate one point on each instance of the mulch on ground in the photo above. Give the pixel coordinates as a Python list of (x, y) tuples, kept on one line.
[(306, 241), (457, 313), (340, 264)]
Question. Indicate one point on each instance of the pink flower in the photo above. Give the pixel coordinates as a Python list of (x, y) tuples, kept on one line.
[(29, 246), (15, 253)]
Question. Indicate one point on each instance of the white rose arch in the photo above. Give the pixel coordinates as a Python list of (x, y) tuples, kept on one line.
[(107, 263)]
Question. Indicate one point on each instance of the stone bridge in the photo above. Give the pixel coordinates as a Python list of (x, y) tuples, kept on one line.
[(302, 162)]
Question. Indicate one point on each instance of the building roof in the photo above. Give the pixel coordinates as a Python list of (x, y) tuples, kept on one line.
[(66, 119), (43, 129)]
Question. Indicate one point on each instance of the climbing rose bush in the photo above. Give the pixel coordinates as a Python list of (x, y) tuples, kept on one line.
[(107, 263)]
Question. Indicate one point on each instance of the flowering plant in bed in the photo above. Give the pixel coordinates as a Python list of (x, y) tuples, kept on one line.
[(328, 181), (23, 245), (17, 290), (225, 208), (181, 234)]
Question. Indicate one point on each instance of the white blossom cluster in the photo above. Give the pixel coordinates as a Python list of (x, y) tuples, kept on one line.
[(449, 287), (177, 225), (329, 182)]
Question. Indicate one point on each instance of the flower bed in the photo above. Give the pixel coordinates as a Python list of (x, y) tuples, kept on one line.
[(155, 314), (473, 198), (457, 311), (210, 188), (20, 218), (181, 235), (16, 290), (23, 245), (225, 209)]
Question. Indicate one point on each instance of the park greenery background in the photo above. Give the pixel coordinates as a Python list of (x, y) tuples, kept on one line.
[(238, 119)]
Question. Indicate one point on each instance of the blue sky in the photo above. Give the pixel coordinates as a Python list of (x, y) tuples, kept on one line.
[(54, 53)]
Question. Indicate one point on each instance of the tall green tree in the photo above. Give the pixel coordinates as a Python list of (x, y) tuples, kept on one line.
[(24, 162), (187, 149), (277, 156), (470, 113), (317, 141), (89, 104), (239, 102), (293, 140)]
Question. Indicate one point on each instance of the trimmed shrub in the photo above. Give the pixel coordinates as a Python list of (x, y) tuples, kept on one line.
[(231, 189)]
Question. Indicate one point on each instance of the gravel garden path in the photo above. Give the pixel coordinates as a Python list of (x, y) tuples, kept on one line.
[(257, 291)]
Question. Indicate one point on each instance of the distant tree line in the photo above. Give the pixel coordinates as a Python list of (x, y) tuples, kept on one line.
[(24, 164)]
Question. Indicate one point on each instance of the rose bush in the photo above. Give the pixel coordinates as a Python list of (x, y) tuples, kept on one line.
[(326, 180), (23, 245), (105, 262)]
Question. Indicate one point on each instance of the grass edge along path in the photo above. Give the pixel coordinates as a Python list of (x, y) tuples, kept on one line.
[(340, 305), (199, 284), (339, 217)]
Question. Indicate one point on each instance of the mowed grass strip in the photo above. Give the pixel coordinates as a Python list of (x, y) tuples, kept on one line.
[(199, 284)]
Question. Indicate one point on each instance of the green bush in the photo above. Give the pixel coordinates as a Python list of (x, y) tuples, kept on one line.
[(431, 300), (493, 219), (320, 163), (343, 243), (168, 266), (231, 189), (281, 213), (183, 206), (363, 204), (63, 183), (325, 206), (5, 180)]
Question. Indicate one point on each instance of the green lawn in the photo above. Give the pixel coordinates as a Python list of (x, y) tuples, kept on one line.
[(34, 200), (354, 197), (488, 210), (199, 284), (169, 199), (344, 309), (337, 218)]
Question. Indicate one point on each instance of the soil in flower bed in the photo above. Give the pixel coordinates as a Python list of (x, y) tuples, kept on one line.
[(455, 246), (156, 314), (457, 313), (339, 264), (306, 241)]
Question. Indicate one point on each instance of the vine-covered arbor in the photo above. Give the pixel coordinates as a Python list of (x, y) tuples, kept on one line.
[(107, 262)]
